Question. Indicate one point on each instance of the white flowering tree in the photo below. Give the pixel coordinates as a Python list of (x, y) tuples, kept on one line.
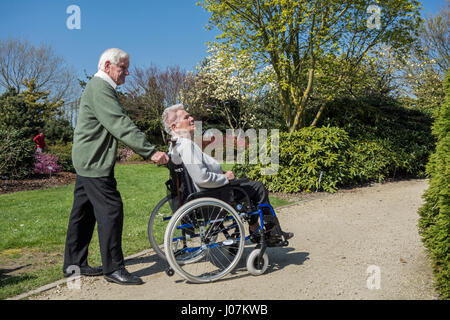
[(417, 76), (227, 85)]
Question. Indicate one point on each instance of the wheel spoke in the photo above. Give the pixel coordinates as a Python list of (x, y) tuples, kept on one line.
[(209, 251)]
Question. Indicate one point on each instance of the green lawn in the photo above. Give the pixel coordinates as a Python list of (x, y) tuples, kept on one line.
[(34, 225)]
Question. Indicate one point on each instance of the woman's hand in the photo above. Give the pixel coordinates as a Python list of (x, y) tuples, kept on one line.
[(230, 175)]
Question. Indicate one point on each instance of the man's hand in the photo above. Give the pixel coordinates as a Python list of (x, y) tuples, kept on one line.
[(160, 158), (230, 175)]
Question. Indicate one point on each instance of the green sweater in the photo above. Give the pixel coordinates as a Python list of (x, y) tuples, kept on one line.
[(101, 122)]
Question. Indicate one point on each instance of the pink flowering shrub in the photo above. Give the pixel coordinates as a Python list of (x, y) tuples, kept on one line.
[(125, 154), (43, 161)]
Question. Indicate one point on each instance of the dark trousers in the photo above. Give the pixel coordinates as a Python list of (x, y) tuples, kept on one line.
[(258, 194), (95, 200)]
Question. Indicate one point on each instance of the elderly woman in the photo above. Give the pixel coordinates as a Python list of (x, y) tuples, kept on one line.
[(203, 169)]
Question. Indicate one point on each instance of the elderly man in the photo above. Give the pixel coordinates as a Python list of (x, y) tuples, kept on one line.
[(101, 123), (206, 172)]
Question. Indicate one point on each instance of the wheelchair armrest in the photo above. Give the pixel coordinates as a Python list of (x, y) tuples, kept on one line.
[(232, 183), (214, 192), (237, 182)]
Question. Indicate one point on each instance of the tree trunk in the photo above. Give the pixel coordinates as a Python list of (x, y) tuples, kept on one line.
[(322, 107), (300, 106), (319, 113)]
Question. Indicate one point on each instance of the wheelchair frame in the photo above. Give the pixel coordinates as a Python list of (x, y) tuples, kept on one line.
[(238, 210)]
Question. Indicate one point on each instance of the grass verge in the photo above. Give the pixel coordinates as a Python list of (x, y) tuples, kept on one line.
[(34, 225)]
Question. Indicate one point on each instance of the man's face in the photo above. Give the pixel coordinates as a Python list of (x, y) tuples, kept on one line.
[(119, 71)]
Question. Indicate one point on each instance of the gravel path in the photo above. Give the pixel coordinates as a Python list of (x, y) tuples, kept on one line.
[(356, 244)]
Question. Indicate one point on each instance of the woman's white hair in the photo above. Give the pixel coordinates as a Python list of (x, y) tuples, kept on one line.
[(112, 55), (169, 116)]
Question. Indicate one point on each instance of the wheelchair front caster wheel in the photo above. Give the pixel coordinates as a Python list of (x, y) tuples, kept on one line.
[(254, 266), (170, 272)]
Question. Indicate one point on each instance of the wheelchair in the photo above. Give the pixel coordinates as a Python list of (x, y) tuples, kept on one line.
[(204, 235)]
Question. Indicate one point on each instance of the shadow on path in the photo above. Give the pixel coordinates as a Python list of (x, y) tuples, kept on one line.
[(279, 258)]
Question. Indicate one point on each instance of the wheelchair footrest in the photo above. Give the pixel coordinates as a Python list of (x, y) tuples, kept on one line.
[(278, 243)]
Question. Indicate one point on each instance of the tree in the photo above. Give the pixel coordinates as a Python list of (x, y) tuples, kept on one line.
[(307, 41), (435, 38), (228, 86), (20, 60), (428, 62), (418, 75), (58, 130), (28, 110), (148, 92)]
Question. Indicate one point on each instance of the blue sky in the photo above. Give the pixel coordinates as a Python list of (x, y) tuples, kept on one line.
[(165, 32), (162, 32)]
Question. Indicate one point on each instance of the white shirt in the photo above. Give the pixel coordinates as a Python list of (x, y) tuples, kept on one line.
[(102, 74)]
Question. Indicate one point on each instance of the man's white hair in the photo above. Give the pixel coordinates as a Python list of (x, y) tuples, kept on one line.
[(112, 55), (169, 116)]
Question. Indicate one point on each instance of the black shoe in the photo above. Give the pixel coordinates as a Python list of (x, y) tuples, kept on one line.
[(277, 240), (122, 276), (255, 237), (287, 235), (85, 271)]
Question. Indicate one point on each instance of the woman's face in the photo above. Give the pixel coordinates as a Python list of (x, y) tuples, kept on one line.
[(185, 123)]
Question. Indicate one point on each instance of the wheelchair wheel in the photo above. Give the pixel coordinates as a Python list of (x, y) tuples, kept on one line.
[(159, 219), (252, 263), (204, 240)]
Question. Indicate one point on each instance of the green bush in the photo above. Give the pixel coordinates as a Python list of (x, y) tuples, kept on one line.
[(331, 155), (434, 222), (135, 157), (64, 154), (370, 160), (16, 154), (58, 131), (403, 134), (28, 109), (357, 141), (302, 156)]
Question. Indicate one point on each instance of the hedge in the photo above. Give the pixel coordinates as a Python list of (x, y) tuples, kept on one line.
[(434, 221), (327, 158), (390, 125)]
